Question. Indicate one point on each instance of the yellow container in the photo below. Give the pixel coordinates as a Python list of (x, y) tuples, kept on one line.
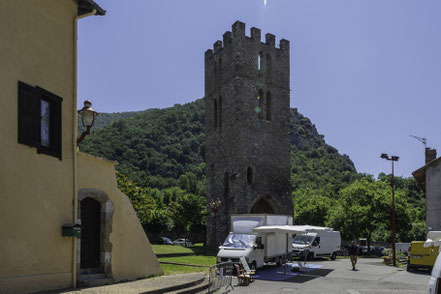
[(420, 257)]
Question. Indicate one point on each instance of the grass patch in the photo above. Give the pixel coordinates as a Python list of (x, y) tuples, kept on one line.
[(197, 249), (194, 259), (171, 269), (170, 249), (203, 256)]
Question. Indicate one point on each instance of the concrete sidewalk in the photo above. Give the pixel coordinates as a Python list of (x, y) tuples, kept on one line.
[(156, 285)]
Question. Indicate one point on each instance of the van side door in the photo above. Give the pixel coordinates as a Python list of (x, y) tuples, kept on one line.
[(316, 246)]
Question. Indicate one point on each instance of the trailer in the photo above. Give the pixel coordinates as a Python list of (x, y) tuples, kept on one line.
[(257, 248)]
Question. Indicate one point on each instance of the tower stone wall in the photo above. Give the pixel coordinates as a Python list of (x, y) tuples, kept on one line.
[(247, 127)]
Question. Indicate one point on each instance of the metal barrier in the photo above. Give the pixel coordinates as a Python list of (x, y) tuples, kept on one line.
[(221, 275)]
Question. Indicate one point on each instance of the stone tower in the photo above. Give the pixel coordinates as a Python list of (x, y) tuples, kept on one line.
[(247, 127)]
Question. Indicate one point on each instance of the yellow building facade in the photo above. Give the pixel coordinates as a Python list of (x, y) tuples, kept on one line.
[(45, 182)]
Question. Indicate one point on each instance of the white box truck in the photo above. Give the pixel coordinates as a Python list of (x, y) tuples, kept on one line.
[(323, 242), (256, 248)]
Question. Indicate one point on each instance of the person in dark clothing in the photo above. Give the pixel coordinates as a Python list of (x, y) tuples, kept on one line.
[(353, 252)]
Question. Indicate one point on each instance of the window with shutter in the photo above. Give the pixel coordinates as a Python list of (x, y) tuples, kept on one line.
[(39, 119)]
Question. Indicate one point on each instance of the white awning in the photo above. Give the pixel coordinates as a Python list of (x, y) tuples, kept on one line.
[(433, 239), (290, 229)]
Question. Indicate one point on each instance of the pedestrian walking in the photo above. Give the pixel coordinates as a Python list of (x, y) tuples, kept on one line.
[(353, 253)]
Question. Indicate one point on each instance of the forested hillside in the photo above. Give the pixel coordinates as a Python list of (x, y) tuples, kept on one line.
[(157, 146), (160, 151)]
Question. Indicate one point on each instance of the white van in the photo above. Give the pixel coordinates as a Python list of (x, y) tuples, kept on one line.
[(434, 285), (317, 244)]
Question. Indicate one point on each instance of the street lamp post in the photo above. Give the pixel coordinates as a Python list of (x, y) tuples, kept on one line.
[(392, 159), (214, 205)]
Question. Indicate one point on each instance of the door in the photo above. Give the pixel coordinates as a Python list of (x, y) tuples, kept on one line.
[(316, 246), (90, 233)]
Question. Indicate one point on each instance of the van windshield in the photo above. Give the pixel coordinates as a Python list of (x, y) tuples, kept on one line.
[(239, 241), (302, 239)]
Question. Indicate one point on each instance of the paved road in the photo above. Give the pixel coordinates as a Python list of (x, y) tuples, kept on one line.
[(337, 277)]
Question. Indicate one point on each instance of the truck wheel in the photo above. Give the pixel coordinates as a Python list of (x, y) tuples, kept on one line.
[(279, 261), (310, 256), (409, 268), (334, 255)]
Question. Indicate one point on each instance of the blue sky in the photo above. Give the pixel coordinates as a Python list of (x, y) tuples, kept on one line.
[(367, 73)]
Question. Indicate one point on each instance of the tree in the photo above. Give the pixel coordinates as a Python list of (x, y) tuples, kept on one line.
[(364, 207), (188, 213), (311, 209)]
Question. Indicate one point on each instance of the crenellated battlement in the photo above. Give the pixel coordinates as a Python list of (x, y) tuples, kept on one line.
[(238, 36)]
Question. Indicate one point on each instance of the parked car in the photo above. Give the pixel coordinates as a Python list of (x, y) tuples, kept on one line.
[(362, 250), (376, 251), (183, 242), (165, 240)]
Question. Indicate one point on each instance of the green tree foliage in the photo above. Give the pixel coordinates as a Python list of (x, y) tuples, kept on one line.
[(365, 207), (311, 209), (168, 210)]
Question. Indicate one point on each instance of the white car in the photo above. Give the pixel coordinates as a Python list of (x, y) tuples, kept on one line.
[(183, 242)]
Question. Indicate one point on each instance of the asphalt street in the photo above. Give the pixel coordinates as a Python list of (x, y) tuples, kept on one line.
[(338, 277)]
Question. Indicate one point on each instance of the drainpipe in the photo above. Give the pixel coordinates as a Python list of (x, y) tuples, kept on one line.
[(74, 143)]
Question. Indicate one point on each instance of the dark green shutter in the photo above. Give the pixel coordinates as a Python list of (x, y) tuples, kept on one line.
[(28, 115)]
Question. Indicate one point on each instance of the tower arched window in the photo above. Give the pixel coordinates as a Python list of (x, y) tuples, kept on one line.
[(249, 175), (268, 105), (260, 62), (260, 104)]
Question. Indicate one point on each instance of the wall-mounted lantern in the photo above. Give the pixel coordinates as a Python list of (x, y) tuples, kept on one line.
[(87, 119)]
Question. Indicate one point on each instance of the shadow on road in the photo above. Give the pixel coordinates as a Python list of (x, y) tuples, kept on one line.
[(305, 277)]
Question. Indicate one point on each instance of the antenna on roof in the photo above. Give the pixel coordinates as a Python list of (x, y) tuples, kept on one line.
[(422, 140)]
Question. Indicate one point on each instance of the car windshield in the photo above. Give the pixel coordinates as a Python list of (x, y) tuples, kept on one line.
[(302, 239), (239, 241)]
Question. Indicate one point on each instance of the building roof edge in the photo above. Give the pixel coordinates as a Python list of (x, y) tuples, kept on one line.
[(86, 6)]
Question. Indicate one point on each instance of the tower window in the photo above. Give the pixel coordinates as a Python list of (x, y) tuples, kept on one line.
[(249, 175), (260, 62)]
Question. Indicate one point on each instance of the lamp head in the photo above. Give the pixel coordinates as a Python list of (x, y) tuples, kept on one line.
[(395, 158), (384, 156), (87, 114)]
